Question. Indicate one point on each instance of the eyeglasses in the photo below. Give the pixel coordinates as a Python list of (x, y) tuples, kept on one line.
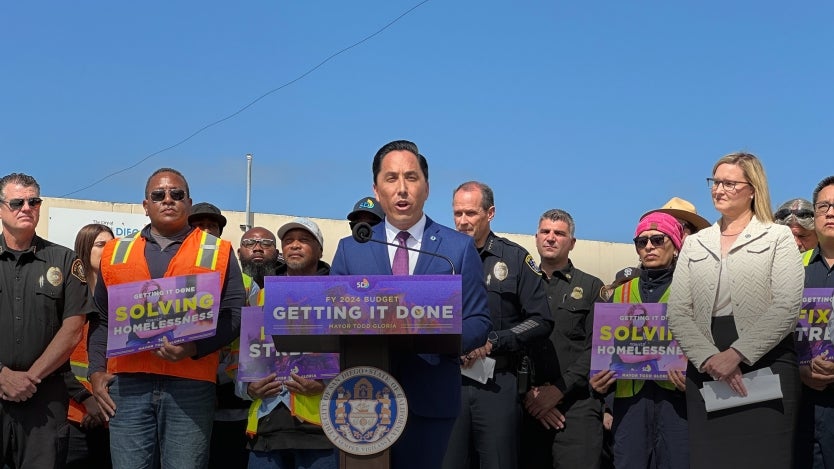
[(158, 195), (251, 242), (728, 186), (656, 240), (17, 204), (821, 208), (687, 226), (785, 213)]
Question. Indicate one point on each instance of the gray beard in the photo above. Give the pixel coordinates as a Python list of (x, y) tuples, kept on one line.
[(259, 270)]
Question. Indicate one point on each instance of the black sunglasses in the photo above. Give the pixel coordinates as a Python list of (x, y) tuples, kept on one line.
[(251, 242), (656, 240), (158, 195), (17, 204), (785, 213)]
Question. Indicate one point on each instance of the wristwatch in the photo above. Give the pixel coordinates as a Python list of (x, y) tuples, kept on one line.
[(492, 338)]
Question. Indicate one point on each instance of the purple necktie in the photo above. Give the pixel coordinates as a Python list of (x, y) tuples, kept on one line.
[(400, 266)]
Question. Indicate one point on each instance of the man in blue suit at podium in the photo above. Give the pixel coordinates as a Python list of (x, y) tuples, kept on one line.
[(431, 382)]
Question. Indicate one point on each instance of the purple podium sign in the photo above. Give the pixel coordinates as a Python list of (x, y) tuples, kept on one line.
[(260, 356), (363, 305), (635, 341), (813, 335), (181, 309)]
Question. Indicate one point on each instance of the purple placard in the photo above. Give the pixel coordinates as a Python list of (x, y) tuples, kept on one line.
[(813, 336), (635, 341), (359, 305), (259, 356), (181, 309)]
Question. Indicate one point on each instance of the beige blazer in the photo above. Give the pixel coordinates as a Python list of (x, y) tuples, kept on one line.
[(766, 282)]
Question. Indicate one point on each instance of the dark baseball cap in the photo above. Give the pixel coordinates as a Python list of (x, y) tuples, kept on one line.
[(205, 209), (366, 204)]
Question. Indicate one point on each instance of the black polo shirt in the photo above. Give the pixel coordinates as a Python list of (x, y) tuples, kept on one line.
[(38, 290), (566, 360), (817, 272)]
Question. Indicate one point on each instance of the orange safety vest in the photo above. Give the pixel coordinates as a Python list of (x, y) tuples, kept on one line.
[(123, 261), (79, 363)]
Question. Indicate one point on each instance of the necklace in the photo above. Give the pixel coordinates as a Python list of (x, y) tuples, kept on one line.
[(733, 234)]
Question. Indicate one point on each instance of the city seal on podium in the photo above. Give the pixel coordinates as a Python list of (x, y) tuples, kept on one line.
[(363, 410)]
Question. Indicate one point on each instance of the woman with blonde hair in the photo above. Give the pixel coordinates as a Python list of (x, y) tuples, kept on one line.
[(734, 302)]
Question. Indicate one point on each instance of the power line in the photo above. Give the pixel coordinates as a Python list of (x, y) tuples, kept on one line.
[(253, 102)]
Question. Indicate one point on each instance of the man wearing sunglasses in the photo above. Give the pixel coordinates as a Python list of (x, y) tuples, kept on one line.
[(160, 402), (259, 255), (798, 215), (44, 304)]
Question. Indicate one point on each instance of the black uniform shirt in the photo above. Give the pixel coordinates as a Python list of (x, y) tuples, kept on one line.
[(38, 290), (515, 294), (566, 361)]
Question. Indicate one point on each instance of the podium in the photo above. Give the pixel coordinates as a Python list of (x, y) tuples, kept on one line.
[(365, 319)]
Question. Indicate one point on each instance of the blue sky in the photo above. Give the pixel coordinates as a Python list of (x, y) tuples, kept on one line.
[(605, 109)]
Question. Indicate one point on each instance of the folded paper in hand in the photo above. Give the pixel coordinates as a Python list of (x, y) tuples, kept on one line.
[(481, 370), (762, 385)]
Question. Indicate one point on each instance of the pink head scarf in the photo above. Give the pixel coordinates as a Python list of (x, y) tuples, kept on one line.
[(666, 224)]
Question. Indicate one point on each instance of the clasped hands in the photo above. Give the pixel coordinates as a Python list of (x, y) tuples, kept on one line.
[(541, 402), (270, 386), (818, 374), (724, 366), (17, 386)]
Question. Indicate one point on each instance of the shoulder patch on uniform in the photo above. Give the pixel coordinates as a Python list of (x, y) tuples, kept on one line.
[(532, 264), (77, 270)]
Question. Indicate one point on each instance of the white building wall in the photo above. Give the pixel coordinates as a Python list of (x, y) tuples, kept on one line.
[(602, 259)]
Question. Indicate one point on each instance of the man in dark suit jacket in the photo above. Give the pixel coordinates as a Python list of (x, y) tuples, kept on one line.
[(431, 382)]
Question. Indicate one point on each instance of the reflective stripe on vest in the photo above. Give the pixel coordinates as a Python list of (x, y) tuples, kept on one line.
[(123, 261), (80, 366), (807, 255), (122, 250), (629, 292)]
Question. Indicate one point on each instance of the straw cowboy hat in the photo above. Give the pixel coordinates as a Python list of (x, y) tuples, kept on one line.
[(682, 210)]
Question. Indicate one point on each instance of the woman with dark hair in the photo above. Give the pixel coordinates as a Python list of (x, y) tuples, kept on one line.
[(89, 442), (649, 425), (734, 304)]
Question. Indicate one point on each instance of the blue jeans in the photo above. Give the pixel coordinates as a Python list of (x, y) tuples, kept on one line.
[(160, 419), (293, 459)]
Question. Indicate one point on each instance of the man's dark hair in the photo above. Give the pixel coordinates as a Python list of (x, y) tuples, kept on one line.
[(167, 170), (487, 196), (829, 181), (18, 178), (399, 145)]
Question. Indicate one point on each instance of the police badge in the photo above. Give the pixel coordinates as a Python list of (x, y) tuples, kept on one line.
[(363, 410), (54, 276), (500, 270)]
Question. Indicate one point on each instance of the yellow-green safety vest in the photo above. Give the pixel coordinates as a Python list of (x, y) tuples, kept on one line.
[(629, 292)]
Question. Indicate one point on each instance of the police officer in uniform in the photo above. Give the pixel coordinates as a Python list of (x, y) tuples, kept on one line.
[(487, 431), (43, 304), (563, 422)]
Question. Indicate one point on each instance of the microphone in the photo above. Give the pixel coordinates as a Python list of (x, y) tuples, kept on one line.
[(363, 232)]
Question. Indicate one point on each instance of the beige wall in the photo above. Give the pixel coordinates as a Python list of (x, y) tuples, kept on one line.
[(602, 259)]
